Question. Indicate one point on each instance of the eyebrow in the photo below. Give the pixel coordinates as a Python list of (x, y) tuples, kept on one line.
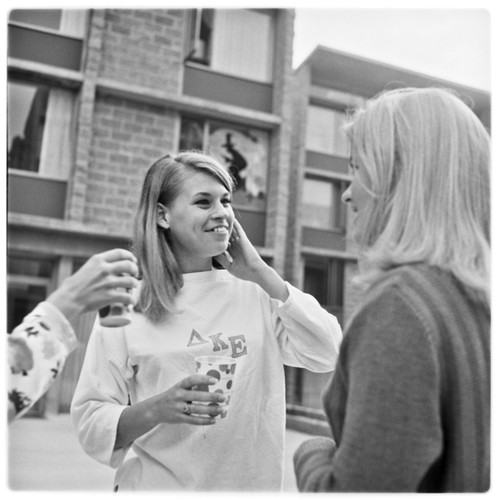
[(202, 193)]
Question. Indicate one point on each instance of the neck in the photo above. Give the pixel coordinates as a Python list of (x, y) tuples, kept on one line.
[(195, 267)]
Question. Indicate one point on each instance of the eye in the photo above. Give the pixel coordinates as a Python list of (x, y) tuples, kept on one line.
[(226, 201), (202, 202), (353, 167)]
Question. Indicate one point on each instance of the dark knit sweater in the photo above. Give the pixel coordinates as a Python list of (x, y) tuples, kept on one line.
[(409, 403)]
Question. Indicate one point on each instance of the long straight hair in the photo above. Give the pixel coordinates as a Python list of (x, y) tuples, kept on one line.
[(161, 275), (427, 156)]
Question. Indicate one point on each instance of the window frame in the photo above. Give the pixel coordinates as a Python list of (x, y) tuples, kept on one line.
[(255, 205), (195, 41), (334, 271), (342, 152), (338, 213), (63, 168)]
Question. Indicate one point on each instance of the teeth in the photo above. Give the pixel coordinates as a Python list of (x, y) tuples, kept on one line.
[(219, 229)]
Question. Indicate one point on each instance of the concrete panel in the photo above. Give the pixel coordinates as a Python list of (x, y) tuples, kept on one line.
[(46, 48), (227, 89), (36, 196)]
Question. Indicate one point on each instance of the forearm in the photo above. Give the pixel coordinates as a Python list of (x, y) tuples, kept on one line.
[(309, 336), (135, 421), (65, 301), (270, 281)]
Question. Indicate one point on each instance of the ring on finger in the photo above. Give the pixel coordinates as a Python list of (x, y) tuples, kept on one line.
[(187, 410)]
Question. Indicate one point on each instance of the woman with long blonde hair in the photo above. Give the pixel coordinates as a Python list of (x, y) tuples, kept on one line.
[(409, 404)]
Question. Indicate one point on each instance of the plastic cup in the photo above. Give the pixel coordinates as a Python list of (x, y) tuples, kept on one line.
[(115, 315), (221, 368)]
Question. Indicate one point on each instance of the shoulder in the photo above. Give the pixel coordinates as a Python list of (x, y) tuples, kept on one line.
[(237, 284), (419, 286), (416, 300), (403, 302), (417, 276)]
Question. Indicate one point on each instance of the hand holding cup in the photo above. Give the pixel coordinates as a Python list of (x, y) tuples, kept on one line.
[(222, 369)]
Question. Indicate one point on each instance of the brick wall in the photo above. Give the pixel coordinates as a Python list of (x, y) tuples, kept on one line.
[(277, 197), (144, 47), (118, 139), (127, 138), (300, 98)]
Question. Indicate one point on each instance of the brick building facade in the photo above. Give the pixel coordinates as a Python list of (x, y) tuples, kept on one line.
[(109, 91)]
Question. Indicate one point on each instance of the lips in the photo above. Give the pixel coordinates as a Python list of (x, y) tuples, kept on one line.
[(219, 229)]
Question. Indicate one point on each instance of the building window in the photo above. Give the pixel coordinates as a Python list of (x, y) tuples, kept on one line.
[(28, 280), (234, 41), (71, 22), (243, 150), (322, 205), (40, 121), (325, 131), (324, 280)]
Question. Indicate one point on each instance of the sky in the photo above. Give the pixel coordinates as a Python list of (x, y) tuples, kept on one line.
[(452, 43)]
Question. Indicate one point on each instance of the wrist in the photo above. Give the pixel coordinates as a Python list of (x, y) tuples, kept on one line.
[(65, 302), (149, 412), (270, 281)]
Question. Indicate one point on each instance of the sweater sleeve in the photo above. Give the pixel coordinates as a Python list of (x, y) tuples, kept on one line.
[(101, 395), (312, 461), (308, 336), (385, 400), (37, 351)]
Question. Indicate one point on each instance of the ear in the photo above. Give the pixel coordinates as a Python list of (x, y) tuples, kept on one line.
[(162, 216)]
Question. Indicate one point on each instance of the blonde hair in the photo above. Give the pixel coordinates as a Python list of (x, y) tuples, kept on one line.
[(161, 274), (427, 156)]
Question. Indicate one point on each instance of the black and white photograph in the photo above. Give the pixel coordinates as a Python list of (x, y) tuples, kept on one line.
[(247, 248)]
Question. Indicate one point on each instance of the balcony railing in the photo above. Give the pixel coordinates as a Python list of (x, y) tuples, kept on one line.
[(34, 195)]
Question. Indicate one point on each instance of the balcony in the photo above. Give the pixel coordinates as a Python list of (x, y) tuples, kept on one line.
[(43, 47), (219, 87), (34, 195)]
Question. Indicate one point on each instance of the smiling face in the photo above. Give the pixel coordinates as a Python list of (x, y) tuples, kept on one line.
[(199, 222)]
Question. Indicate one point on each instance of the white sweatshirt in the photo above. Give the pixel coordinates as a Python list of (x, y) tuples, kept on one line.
[(218, 314)]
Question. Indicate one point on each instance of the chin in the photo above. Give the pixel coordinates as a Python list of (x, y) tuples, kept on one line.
[(223, 247), (218, 250)]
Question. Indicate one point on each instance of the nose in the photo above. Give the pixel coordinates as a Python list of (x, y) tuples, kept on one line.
[(347, 196), (221, 211)]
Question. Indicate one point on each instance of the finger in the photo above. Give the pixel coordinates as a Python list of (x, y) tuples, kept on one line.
[(194, 420), (127, 282), (238, 228), (123, 267), (208, 410), (197, 379), (121, 296), (119, 284), (205, 396), (117, 254)]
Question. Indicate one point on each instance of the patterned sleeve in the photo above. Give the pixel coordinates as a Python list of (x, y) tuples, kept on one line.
[(37, 351)]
